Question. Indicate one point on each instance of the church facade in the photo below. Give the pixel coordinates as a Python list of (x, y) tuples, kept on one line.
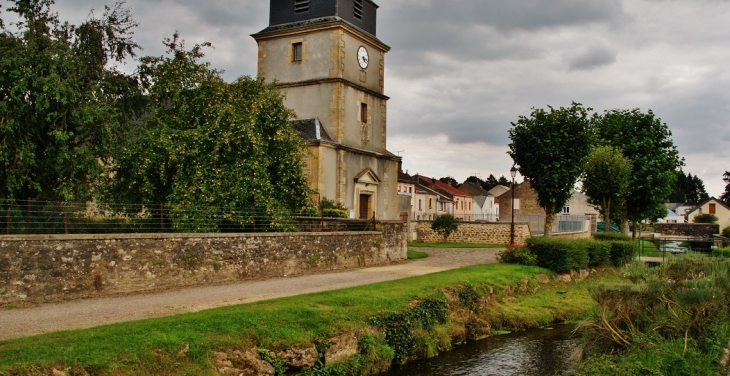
[(325, 56)]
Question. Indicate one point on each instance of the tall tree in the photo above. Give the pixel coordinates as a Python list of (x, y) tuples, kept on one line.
[(647, 142), (226, 150), (450, 181), (688, 189), (550, 146), (62, 107), (606, 180), (726, 195), (504, 181), (491, 182)]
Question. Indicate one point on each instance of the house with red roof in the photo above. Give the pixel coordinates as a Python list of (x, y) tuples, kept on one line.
[(461, 202)]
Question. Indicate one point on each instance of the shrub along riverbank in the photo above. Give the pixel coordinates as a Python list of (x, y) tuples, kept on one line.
[(387, 322)]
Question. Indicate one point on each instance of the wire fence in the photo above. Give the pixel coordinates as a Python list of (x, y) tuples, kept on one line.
[(46, 217), (561, 223)]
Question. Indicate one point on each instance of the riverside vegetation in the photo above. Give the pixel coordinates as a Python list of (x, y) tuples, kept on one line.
[(667, 320), (394, 321)]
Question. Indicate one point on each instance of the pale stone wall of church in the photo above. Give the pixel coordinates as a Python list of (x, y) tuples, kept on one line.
[(276, 62), (372, 76)]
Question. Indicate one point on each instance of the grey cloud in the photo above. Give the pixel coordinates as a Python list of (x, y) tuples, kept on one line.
[(592, 58)]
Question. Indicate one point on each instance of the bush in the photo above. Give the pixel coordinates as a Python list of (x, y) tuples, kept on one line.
[(705, 218), (445, 225), (726, 232), (611, 236), (622, 252), (559, 255), (335, 213), (721, 252), (517, 255), (599, 253)]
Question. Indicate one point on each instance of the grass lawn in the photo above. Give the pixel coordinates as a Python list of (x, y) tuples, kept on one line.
[(152, 346), (648, 249), (415, 255), (455, 245)]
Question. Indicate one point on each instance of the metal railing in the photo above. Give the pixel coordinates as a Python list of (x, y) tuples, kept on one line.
[(45, 217)]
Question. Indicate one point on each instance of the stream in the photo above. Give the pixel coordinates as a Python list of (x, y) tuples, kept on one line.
[(538, 352)]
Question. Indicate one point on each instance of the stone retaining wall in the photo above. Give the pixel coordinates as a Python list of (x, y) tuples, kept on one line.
[(698, 230), (572, 235), (474, 232), (38, 268)]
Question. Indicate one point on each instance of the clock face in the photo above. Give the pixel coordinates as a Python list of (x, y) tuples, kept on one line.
[(362, 57)]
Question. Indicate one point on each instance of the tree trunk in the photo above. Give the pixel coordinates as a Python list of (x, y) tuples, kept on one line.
[(549, 217), (624, 220), (633, 232), (606, 215)]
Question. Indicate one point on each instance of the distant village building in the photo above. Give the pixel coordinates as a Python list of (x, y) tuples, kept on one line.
[(325, 56), (484, 208)]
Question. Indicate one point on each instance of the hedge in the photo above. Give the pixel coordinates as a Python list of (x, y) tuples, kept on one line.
[(563, 255), (611, 236)]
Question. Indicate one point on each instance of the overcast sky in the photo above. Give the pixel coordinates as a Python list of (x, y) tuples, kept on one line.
[(461, 70)]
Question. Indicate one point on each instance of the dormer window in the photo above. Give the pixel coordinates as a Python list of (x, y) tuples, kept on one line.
[(358, 9), (301, 6)]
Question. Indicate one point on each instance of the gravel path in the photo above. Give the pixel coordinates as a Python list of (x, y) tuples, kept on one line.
[(79, 314)]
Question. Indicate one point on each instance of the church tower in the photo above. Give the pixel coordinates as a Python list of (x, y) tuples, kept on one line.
[(325, 56)]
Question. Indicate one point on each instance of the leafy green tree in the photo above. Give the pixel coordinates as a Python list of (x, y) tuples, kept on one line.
[(647, 142), (62, 107), (226, 150), (490, 183), (450, 181), (504, 181), (606, 180), (445, 225), (688, 189), (705, 218), (550, 147), (726, 195)]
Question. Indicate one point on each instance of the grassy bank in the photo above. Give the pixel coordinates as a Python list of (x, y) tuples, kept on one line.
[(477, 299)]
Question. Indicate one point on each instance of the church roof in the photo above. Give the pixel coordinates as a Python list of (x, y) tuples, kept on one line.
[(311, 130)]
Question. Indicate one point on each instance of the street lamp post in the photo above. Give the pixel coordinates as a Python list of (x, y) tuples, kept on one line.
[(513, 172)]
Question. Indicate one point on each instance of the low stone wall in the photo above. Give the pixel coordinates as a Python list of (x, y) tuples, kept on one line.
[(58, 267), (474, 232), (698, 230), (572, 235)]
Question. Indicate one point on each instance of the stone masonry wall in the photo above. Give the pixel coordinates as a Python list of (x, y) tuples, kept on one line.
[(700, 230), (475, 232), (59, 267)]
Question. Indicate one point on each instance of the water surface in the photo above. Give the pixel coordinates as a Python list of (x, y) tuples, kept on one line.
[(539, 352)]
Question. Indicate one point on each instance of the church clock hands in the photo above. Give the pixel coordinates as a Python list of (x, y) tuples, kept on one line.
[(362, 57)]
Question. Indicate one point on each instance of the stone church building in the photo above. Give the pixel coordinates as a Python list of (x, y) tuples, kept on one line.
[(325, 56)]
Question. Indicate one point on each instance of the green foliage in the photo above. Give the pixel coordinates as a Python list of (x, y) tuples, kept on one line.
[(216, 146), (611, 236), (414, 255), (559, 255), (606, 180), (599, 253), (705, 218), (397, 326), (725, 197), (671, 321), (688, 189), (63, 106), (622, 252), (721, 252), (647, 142), (550, 147), (335, 213), (517, 255), (726, 232), (445, 225)]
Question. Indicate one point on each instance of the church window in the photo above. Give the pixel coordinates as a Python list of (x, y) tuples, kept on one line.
[(301, 6), (364, 112), (358, 9), (297, 51)]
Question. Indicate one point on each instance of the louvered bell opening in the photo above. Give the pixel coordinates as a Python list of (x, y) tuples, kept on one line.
[(301, 6), (358, 9)]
